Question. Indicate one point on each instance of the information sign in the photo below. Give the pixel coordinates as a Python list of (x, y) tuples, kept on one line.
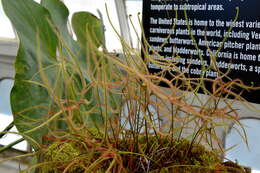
[(171, 22)]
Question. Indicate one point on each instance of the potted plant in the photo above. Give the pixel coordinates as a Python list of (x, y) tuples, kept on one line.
[(83, 109)]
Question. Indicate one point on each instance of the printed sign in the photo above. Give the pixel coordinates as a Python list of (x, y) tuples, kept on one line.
[(194, 31)]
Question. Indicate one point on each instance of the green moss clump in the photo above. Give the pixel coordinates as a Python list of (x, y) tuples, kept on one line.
[(60, 154)]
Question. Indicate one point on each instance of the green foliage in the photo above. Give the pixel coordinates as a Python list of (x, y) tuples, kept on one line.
[(36, 39), (88, 29), (40, 72)]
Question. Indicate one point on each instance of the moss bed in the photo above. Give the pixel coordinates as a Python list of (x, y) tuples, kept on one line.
[(165, 155)]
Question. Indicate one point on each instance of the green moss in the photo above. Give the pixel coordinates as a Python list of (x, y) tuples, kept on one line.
[(60, 154), (164, 155)]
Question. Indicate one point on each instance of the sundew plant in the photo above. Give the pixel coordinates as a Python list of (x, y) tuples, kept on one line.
[(84, 109)]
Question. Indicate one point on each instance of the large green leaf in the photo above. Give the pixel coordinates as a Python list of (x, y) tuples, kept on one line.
[(59, 14), (90, 36), (88, 29), (42, 30), (30, 101)]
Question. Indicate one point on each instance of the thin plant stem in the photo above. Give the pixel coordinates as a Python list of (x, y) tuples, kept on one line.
[(11, 145), (9, 127)]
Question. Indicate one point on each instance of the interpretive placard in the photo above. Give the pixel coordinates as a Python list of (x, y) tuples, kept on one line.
[(191, 29)]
